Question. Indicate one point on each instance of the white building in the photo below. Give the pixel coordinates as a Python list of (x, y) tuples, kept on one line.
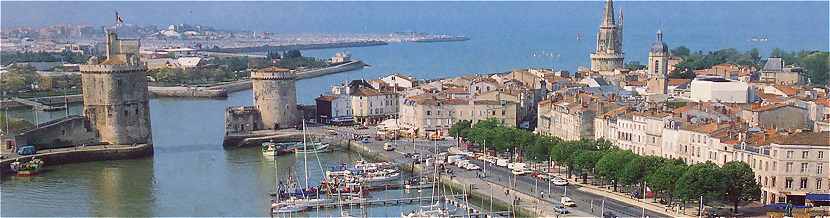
[(716, 89)]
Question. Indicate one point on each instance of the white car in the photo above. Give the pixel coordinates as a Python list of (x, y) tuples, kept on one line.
[(471, 166), (520, 172), (568, 202), (501, 162), (559, 181)]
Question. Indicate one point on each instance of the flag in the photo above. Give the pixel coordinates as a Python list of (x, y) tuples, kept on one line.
[(118, 19)]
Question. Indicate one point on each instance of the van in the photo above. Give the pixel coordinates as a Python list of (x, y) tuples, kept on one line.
[(454, 158)]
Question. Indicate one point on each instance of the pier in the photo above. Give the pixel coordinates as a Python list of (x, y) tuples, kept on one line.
[(37, 105)]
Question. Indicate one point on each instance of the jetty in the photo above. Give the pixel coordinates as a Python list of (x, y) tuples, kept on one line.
[(36, 105)]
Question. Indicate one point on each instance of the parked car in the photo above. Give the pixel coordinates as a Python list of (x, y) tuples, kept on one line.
[(559, 181), (471, 166), (26, 150), (501, 162), (560, 209), (568, 202), (365, 140), (388, 147), (609, 215), (520, 172), (331, 132)]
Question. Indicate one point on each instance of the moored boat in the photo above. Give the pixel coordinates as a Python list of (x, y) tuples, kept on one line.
[(27, 168)]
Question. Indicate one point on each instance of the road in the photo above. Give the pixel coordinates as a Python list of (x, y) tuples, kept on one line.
[(587, 203)]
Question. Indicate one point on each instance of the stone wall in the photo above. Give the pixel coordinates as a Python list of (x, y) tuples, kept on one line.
[(276, 100), (240, 120), (65, 132), (117, 104)]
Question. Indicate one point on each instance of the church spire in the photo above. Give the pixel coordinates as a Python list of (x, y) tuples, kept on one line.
[(608, 16), (659, 35)]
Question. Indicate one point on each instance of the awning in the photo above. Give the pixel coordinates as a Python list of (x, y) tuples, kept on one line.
[(818, 197)]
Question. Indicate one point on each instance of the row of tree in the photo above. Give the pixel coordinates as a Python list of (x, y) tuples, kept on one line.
[(814, 63), (670, 178), (195, 76), (19, 57)]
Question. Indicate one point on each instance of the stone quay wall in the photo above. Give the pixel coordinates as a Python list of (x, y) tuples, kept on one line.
[(85, 154)]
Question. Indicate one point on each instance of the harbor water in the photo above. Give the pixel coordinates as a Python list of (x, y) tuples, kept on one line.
[(191, 174)]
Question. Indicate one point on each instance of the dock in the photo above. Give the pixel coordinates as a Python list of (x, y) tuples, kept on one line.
[(37, 105)]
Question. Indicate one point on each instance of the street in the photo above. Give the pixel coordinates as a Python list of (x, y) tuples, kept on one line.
[(588, 204)]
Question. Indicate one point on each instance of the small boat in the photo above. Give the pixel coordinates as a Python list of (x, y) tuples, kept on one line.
[(280, 208), (275, 149), (315, 147), (437, 212), (418, 183), (28, 168)]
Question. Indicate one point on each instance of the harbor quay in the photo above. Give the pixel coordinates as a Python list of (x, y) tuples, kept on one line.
[(77, 154), (499, 190)]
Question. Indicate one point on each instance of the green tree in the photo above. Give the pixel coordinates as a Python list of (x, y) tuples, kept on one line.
[(562, 154), (680, 51), (634, 65), (664, 178), (461, 128), (815, 65), (585, 161), (633, 171), (610, 165), (702, 179), (740, 183)]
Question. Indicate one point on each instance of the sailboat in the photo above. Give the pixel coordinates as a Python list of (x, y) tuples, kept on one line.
[(432, 210), (311, 195), (279, 206)]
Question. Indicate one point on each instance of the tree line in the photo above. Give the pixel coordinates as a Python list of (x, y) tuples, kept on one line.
[(814, 63), (7, 58), (670, 179)]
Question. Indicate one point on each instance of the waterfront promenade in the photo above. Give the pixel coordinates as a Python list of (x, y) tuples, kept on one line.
[(590, 202)]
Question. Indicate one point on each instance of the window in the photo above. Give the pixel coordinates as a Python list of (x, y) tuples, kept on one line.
[(805, 154), (788, 183), (789, 167), (818, 184), (774, 166), (773, 182), (803, 167), (819, 168), (789, 154), (820, 154), (803, 183), (429, 113)]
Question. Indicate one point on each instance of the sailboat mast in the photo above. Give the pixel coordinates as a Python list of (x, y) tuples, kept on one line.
[(276, 179), (305, 157)]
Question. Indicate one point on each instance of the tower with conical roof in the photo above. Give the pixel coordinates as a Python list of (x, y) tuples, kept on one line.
[(658, 69), (609, 53)]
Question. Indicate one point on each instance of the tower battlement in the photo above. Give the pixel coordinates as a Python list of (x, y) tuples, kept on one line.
[(273, 73)]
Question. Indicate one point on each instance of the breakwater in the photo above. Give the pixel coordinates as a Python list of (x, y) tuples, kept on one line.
[(83, 154), (268, 48)]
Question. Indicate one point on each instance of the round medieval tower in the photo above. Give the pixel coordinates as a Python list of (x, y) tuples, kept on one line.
[(115, 94), (275, 97)]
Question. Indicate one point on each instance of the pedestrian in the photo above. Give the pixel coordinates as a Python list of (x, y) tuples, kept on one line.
[(543, 194)]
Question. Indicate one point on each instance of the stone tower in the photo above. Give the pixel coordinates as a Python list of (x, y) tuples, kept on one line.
[(658, 69), (115, 93), (275, 97), (609, 52)]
